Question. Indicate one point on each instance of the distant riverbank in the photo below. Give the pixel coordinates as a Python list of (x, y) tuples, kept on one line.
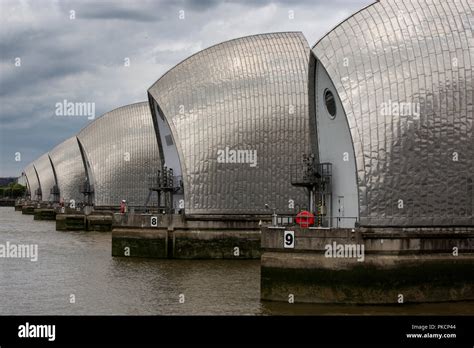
[(6, 202)]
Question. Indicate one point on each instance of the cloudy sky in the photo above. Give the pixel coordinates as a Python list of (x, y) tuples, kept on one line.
[(51, 51)]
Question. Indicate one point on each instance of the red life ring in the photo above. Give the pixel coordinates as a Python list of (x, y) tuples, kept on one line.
[(305, 219)]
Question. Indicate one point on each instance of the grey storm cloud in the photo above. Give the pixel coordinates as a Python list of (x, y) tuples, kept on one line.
[(82, 59)]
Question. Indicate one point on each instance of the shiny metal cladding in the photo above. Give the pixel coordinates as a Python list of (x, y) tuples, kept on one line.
[(249, 95), (70, 170), (122, 152), (403, 71)]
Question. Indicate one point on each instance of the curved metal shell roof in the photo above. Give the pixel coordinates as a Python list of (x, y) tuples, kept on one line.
[(248, 95), (32, 180), (70, 170), (122, 152), (404, 73), (46, 176)]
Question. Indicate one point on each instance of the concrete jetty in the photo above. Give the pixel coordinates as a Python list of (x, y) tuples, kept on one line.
[(79, 221), (28, 209), (367, 265), (173, 236), (45, 214), (70, 222), (99, 222)]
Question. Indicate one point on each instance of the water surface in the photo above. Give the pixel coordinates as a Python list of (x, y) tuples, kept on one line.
[(80, 264)]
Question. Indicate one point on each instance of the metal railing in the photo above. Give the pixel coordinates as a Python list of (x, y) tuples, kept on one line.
[(165, 182), (307, 173), (321, 221)]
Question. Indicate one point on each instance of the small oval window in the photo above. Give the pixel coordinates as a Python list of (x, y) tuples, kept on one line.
[(330, 103)]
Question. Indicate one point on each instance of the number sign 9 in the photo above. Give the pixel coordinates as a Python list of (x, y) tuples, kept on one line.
[(289, 239)]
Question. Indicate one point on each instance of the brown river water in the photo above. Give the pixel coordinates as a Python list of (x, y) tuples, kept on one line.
[(75, 274)]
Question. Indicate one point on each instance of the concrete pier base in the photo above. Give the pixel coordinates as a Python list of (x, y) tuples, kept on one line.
[(216, 244), (78, 221), (180, 244), (28, 209), (398, 266), (380, 280), (143, 243), (44, 214), (173, 237), (70, 222), (101, 223)]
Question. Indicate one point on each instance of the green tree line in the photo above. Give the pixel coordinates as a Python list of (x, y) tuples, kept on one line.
[(12, 190)]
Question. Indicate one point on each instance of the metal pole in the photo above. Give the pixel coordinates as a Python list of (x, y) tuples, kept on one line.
[(274, 218)]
